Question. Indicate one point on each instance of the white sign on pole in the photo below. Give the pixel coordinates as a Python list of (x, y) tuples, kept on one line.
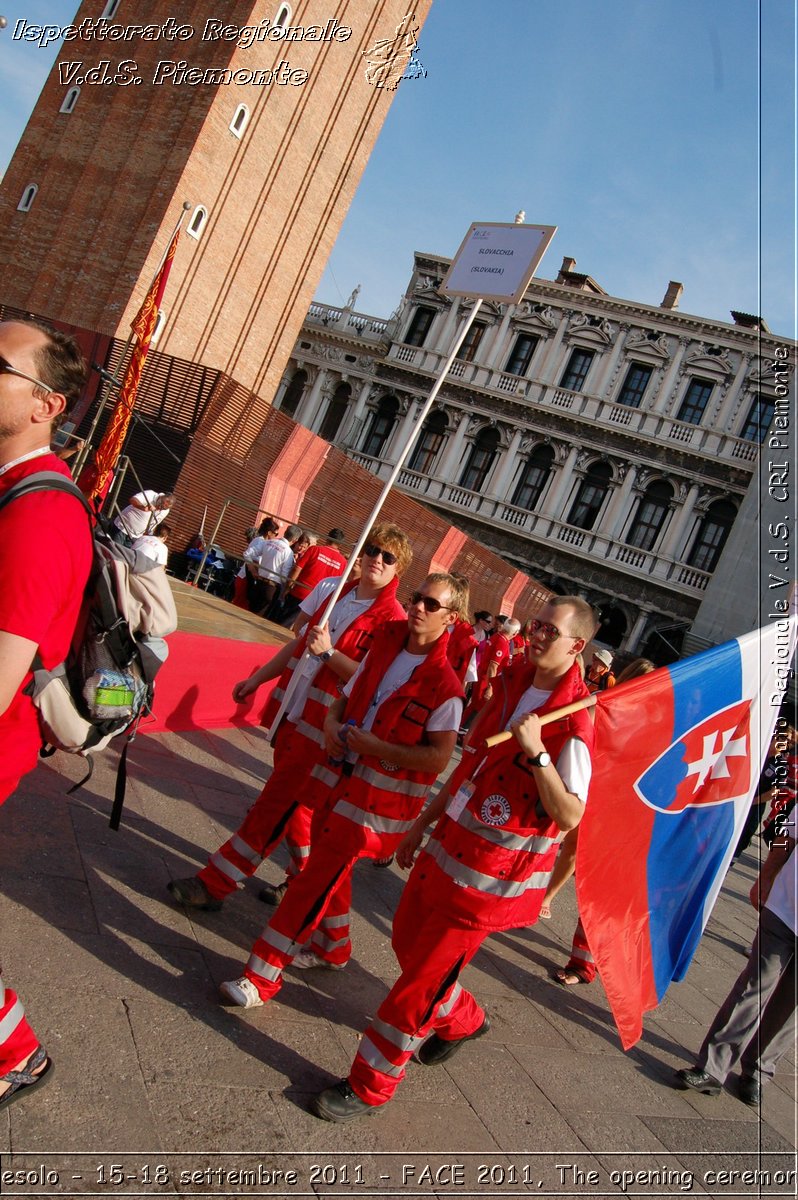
[(497, 262)]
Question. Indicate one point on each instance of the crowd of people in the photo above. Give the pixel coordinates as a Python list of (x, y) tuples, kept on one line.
[(370, 700)]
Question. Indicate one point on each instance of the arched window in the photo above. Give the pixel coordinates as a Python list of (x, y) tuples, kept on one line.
[(70, 100), (480, 460), (534, 478), (590, 497), (28, 196), (197, 222), (293, 393), (650, 516), (336, 411), (380, 426), (429, 442), (283, 16), (240, 121), (109, 12), (711, 536)]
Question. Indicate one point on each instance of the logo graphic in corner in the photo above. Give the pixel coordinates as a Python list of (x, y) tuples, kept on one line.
[(495, 810), (709, 764), (390, 60)]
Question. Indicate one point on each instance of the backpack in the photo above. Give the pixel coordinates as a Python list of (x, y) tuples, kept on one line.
[(106, 683)]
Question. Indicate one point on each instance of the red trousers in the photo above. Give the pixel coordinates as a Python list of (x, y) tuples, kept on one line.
[(240, 598), (581, 959), (277, 814), (316, 903), (426, 998)]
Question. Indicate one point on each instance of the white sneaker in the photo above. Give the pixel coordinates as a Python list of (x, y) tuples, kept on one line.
[(242, 992), (309, 958)]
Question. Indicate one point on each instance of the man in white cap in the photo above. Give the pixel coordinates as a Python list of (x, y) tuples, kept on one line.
[(599, 676)]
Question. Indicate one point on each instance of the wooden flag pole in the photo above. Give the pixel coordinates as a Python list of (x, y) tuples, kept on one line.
[(547, 718), (400, 462)]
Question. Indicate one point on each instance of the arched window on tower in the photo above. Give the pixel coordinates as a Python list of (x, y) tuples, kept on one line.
[(534, 477), (283, 16), (109, 12), (336, 411), (590, 497), (240, 121), (711, 536), (649, 519), (380, 427), (293, 393), (480, 460), (429, 442), (197, 222), (70, 100), (28, 196)]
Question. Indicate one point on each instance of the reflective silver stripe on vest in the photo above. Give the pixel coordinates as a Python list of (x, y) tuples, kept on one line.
[(335, 922), (14, 1016), (504, 837), (244, 850), (325, 775), (319, 694), (260, 967), (445, 1008), (468, 877), (585, 955), (222, 864), (279, 941), (406, 1042), (2, 994), (371, 1054), (329, 943), (371, 820), (299, 851), (310, 732), (387, 784)]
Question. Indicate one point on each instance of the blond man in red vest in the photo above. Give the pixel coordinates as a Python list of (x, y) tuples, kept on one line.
[(486, 866)]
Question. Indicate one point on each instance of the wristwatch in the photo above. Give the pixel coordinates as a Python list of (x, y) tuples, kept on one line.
[(326, 655), (540, 760)]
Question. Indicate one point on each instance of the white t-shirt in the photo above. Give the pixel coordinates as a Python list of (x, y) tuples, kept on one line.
[(137, 521), (343, 614), (252, 554), (153, 547), (276, 561), (573, 764), (781, 900), (444, 719)]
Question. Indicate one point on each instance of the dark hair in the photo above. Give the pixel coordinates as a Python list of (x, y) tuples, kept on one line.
[(483, 615), (60, 363), (268, 525), (163, 530), (336, 535)]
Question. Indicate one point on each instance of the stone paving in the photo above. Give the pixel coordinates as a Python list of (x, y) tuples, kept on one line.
[(160, 1090)]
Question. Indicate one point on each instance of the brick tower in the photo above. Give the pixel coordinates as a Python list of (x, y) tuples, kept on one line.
[(264, 132)]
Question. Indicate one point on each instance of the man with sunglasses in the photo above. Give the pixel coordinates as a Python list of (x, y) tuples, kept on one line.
[(325, 656), (487, 864), (391, 733), (41, 372)]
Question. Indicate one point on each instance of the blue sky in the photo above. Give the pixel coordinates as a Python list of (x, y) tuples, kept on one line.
[(635, 126)]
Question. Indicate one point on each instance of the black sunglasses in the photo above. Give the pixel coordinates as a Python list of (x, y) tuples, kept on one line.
[(374, 551), (7, 369), (431, 605)]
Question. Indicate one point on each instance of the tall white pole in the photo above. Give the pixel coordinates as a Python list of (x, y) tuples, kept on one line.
[(400, 462)]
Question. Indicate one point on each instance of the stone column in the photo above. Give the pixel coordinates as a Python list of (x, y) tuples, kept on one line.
[(443, 342), (610, 364), (498, 351), (671, 543), (503, 471), (309, 406), (611, 523), (450, 459), (552, 358), (561, 486), (721, 421), (401, 433), (663, 396), (633, 640)]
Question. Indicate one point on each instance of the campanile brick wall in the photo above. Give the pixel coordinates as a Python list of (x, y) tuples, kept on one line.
[(113, 175)]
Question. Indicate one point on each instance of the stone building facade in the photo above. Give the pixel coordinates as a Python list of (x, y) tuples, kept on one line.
[(601, 445)]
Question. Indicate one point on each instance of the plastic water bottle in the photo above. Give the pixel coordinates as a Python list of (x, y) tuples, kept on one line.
[(342, 733)]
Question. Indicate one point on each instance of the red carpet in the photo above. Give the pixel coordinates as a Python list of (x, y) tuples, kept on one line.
[(194, 686)]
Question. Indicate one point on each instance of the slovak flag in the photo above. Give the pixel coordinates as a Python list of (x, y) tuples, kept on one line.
[(677, 757)]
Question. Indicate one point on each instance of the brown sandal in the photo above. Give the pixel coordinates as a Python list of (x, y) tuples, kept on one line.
[(27, 1078)]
